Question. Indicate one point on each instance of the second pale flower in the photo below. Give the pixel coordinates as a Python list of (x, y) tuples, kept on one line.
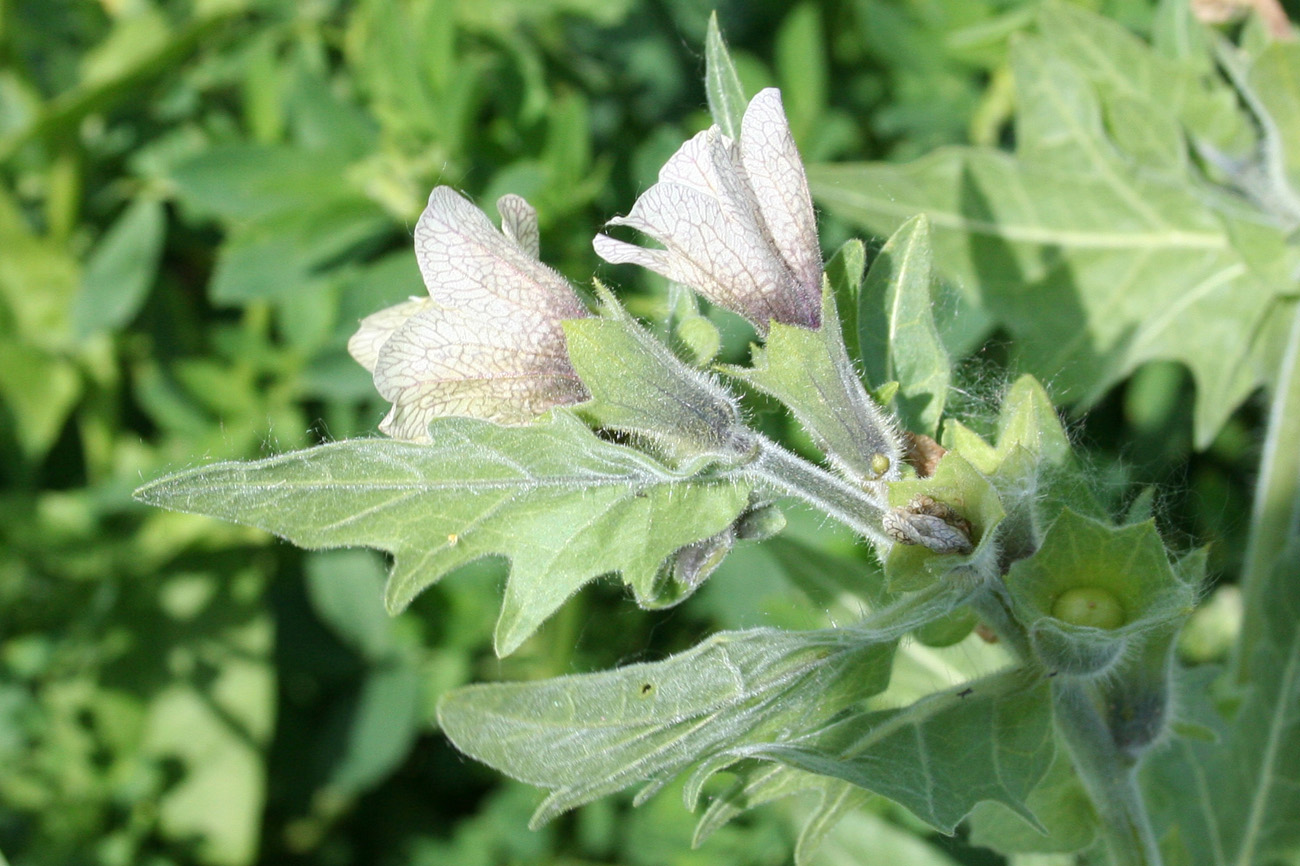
[(736, 221), (487, 342)]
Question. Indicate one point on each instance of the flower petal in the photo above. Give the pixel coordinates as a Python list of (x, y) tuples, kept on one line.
[(376, 328), (780, 188), (519, 223), (447, 361), (726, 260), (467, 263), (737, 221)]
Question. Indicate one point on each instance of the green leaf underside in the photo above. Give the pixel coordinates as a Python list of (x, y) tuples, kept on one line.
[(1095, 260), (564, 506), (590, 735), (1234, 802), (741, 698), (896, 329)]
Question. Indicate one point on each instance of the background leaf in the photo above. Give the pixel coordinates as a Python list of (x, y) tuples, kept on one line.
[(121, 270), (1094, 275), (1232, 801)]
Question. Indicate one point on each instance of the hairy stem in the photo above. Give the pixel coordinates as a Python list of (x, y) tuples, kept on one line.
[(1107, 775), (994, 610), (838, 499), (1276, 510)]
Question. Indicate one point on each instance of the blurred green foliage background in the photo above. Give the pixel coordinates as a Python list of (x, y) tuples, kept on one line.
[(198, 201)]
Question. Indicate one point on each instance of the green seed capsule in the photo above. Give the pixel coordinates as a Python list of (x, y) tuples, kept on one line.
[(1089, 605)]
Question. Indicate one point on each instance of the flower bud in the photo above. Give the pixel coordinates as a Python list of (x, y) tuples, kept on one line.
[(1090, 606), (1093, 593)]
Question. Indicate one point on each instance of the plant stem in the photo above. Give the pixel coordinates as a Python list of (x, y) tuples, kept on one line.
[(994, 610), (1276, 509), (831, 495), (1109, 778)]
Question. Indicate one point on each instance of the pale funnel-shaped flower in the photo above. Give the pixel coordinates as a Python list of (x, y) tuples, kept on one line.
[(488, 342), (736, 221)]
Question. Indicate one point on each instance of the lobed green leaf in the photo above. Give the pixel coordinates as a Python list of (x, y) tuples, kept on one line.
[(585, 736), (939, 757), (564, 506), (1097, 245)]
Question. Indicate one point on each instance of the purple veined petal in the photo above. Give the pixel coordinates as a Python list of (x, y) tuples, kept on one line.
[(519, 223), (780, 188), (468, 264), (726, 260), (376, 328), (444, 362), (691, 166), (696, 165), (618, 252), (708, 164), (737, 221)]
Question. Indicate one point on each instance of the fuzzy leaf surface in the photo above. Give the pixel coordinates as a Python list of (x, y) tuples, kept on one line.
[(564, 506), (810, 372), (1128, 563), (638, 386), (943, 754), (588, 735), (761, 782)]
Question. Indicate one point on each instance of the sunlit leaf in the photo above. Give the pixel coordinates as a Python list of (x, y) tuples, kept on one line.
[(564, 506), (1094, 262)]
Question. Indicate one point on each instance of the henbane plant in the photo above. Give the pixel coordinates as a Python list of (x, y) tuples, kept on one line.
[(577, 444)]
